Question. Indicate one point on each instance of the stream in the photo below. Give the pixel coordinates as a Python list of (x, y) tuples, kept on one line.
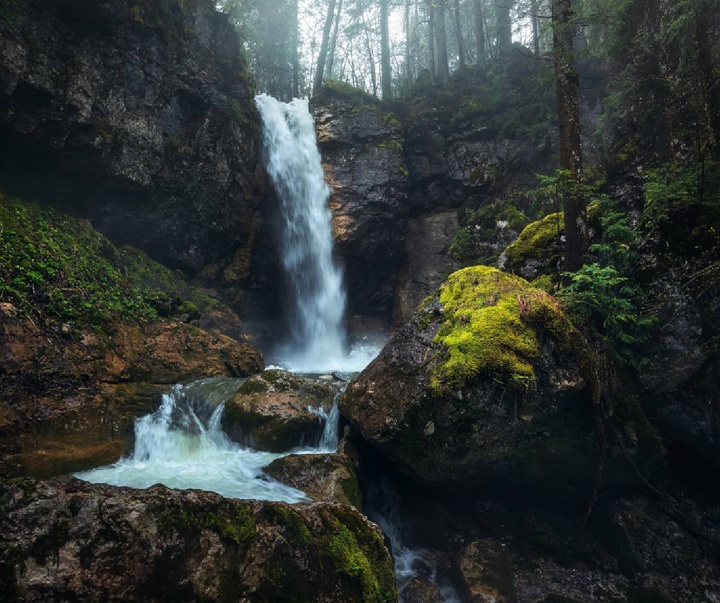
[(182, 444)]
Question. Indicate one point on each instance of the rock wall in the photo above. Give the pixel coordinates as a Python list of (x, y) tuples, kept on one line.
[(139, 116)]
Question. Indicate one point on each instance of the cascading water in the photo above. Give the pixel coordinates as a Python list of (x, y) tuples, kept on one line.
[(182, 445), (318, 338)]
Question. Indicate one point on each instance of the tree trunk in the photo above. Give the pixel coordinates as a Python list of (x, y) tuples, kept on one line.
[(567, 85), (333, 40), (480, 33), (408, 47), (534, 16), (295, 58), (458, 31), (385, 71), (322, 57), (504, 26), (441, 40), (431, 38)]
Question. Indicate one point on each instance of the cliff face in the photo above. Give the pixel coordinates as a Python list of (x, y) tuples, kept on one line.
[(139, 116)]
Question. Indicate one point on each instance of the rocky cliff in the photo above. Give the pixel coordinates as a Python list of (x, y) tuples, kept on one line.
[(139, 116)]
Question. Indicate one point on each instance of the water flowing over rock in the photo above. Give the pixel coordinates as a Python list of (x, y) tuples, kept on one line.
[(277, 411), (65, 539), (69, 403), (316, 291)]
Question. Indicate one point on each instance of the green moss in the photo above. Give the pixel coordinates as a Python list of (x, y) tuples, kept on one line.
[(344, 90), (236, 525), (362, 565), (61, 266), (539, 240), (490, 325), (297, 531), (351, 488)]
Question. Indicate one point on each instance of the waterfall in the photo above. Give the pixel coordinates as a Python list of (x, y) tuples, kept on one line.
[(317, 297)]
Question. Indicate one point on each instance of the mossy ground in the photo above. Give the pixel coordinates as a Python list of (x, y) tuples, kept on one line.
[(490, 327), (56, 266)]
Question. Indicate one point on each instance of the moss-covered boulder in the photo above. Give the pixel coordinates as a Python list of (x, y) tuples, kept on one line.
[(537, 251), (69, 540), (323, 477), (490, 383), (277, 411)]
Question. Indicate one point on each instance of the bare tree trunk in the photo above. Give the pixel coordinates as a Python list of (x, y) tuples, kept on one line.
[(295, 58), (385, 69), (322, 57), (567, 85), (504, 26), (371, 57), (479, 6), (458, 30), (408, 47), (431, 37), (333, 40), (441, 38), (534, 16)]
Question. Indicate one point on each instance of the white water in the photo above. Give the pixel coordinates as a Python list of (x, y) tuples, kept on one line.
[(318, 340), (182, 445)]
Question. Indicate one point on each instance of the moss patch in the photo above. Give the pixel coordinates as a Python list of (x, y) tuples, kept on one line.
[(64, 267), (58, 266), (361, 563), (490, 326), (538, 241)]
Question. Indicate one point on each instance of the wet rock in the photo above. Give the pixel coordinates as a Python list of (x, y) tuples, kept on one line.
[(487, 572), (69, 403), (361, 145), (66, 539), (276, 411), (421, 590), (323, 477), (489, 384)]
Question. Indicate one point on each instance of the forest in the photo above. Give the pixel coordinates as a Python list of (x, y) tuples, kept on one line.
[(360, 300)]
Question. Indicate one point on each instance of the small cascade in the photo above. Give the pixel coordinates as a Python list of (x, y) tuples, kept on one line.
[(330, 436), (182, 445), (383, 506), (316, 289)]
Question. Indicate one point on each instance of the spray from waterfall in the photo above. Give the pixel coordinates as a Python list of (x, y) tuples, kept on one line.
[(318, 338)]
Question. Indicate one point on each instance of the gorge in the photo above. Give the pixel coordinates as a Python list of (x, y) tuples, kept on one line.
[(515, 439)]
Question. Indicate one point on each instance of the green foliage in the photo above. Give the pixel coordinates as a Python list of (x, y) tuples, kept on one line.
[(8, 10), (605, 296), (64, 267), (470, 246), (54, 265)]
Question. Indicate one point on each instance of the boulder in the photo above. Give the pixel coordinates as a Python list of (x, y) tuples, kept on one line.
[(490, 384), (277, 411), (70, 540), (323, 477)]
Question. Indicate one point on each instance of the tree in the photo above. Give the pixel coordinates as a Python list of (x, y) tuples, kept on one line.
[(443, 70), (458, 31), (322, 57), (386, 74), (567, 85), (479, 10)]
